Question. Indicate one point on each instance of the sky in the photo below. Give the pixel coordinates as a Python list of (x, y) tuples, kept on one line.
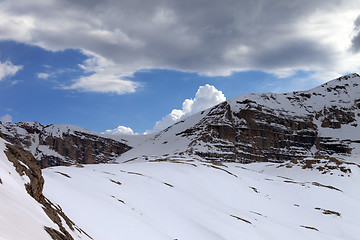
[(132, 66)]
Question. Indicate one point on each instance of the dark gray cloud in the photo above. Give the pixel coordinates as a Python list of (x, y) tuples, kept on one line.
[(356, 38), (209, 37), (295, 53)]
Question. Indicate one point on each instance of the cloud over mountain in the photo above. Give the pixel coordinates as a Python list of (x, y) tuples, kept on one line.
[(206, 96), (6, 118), (120, 130)]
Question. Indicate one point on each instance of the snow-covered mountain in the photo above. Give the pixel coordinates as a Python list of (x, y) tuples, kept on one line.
[(258, 166), (253, 127), (55, 145), (267, 127)]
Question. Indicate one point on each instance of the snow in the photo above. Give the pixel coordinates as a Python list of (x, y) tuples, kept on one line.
[(327, 95), (188, 199), (45, 150), (21, 216), (157, 144)]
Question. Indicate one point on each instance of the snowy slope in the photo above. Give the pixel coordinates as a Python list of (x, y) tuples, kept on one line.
[(188, 199), (21, 216)]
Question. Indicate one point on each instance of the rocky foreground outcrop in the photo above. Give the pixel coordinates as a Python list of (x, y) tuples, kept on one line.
[(28, 168), (56, 145)]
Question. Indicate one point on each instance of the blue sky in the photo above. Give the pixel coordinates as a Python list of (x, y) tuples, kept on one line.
[(100, 65)]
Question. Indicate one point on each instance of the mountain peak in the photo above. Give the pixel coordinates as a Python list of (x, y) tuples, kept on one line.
[(349, 76)]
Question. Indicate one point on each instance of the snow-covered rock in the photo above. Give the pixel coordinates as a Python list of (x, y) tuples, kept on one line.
[(323, 121), (55, 145)]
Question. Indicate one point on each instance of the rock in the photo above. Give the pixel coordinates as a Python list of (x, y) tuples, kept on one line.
[(25, 164)]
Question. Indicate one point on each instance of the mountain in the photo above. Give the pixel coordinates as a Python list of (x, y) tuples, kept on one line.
[(55, 145), (258, 166), (320, 122), (250, 128)]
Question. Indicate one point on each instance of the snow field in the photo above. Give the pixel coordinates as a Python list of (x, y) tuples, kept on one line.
[(196, 200)]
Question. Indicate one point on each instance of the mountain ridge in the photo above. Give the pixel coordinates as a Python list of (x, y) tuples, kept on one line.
[(55, 145), (321, 121), (268, 127)]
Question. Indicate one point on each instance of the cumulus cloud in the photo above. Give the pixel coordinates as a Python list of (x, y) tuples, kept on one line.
[(120, 130), (206, 97), (7, 69), (212, 38), (6, 118)]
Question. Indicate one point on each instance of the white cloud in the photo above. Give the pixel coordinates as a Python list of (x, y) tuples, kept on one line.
[(120, 130), (102, 77), (7, 69), (168, 120), (6, 118), (206, 97), (43, 75), (279, 36)]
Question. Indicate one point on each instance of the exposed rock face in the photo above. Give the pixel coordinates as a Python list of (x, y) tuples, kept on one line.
[(278, 127), (25, 164), (62, 145)]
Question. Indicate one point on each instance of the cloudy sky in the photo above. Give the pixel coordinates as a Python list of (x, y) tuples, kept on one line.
[(136, 66)]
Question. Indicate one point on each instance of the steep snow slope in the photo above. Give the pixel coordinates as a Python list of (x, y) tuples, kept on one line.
[(21, 216), (188, 199), (267, 127)]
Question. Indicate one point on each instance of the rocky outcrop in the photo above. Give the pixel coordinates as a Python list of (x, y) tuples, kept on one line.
[(62, 145), (25, 164)]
